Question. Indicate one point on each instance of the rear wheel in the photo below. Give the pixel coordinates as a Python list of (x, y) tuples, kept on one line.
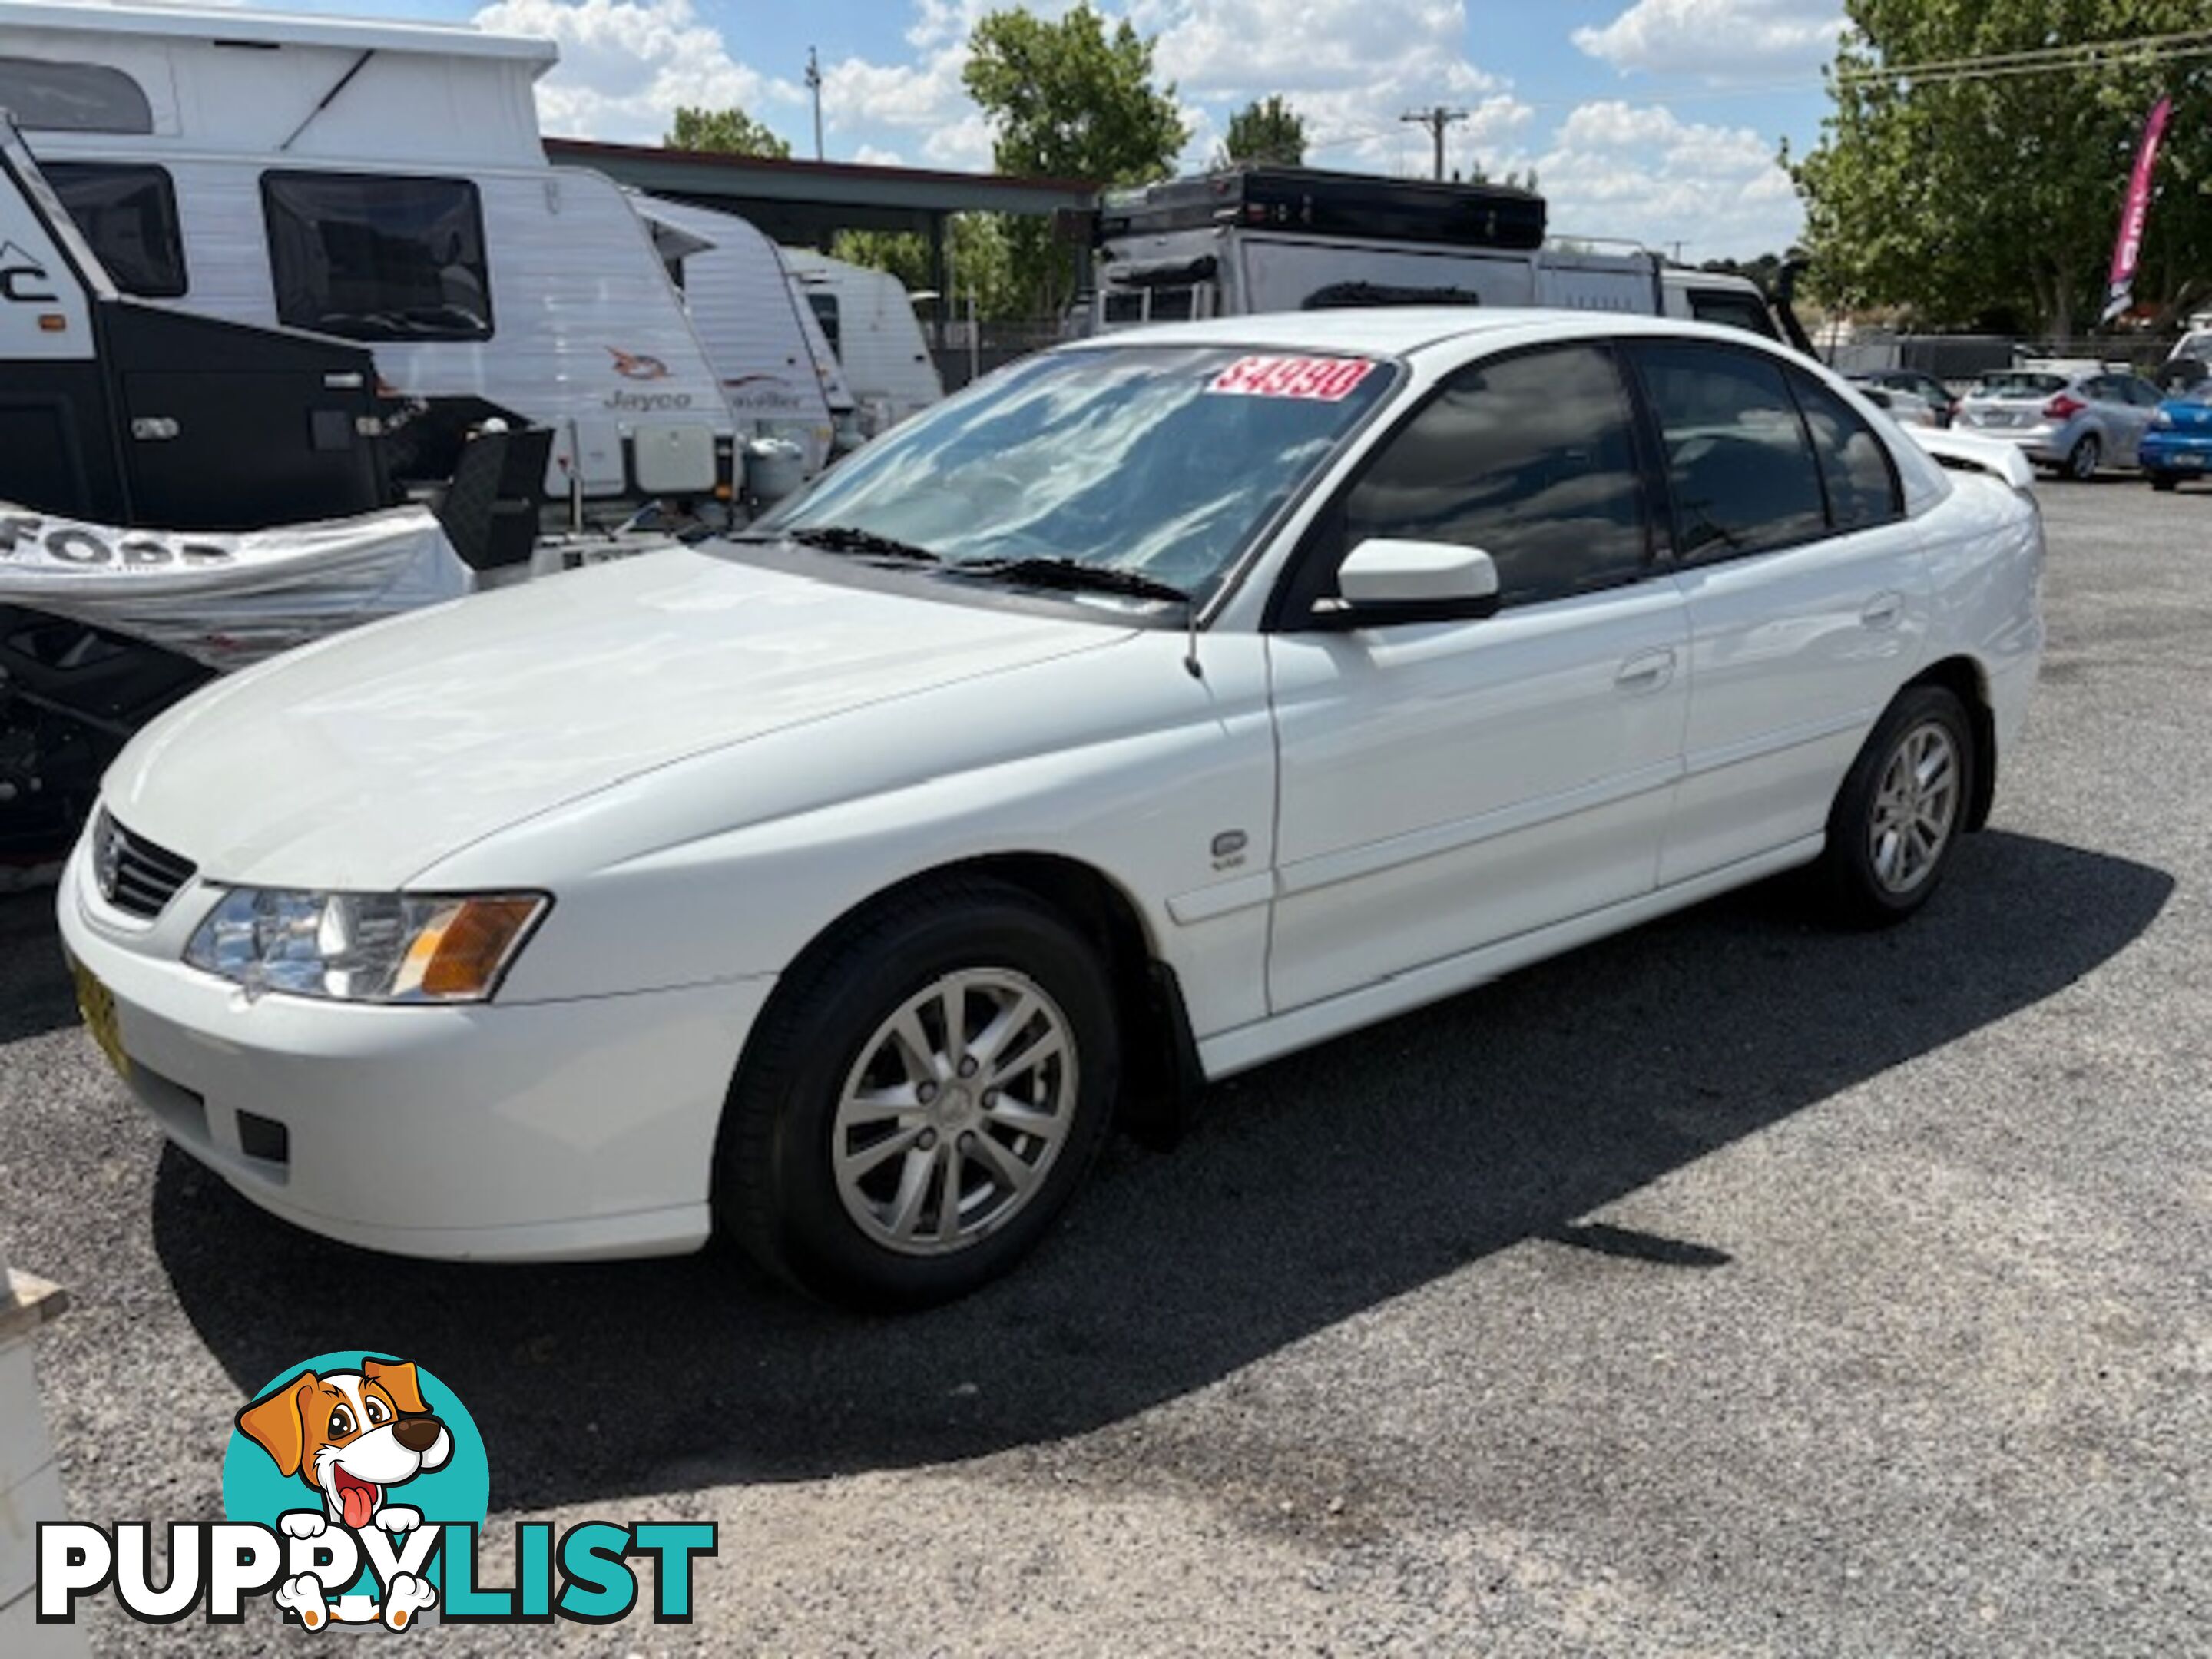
[(2084, 459), (922, 1100), (1900, 811)]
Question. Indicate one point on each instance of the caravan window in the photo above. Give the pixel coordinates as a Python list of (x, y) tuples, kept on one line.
[(129, 215), (54, 97), (1123, 306), (825, 312), (371, 257)]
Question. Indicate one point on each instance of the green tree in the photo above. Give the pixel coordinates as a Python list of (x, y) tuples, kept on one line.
[(1267, 130), (1965, 197), (1067, 100), (729, 131), (979, 253)]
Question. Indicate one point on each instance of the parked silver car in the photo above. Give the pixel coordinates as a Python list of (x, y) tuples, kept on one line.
[(2071, 420)]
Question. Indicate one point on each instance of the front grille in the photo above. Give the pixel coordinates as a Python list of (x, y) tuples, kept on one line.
[(134, 876)]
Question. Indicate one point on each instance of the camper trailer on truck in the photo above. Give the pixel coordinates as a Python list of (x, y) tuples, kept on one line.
[(1267, 239), (383, 183)]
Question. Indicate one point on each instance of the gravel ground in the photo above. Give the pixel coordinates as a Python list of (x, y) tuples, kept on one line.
[(1731, 1287)]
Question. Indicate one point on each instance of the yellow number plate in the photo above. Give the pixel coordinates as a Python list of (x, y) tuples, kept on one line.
[(97, 1004)]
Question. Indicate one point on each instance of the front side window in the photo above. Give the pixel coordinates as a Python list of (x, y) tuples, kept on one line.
[(1739, 467), (49, 96), (129, 215), (1160, 461), (1855, 470), (370, 256), (1531, 459)]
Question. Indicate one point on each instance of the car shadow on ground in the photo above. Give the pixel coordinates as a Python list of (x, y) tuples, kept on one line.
[(1313, 1188)]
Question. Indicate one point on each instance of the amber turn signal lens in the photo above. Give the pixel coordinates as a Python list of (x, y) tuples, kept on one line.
[(459, 954)]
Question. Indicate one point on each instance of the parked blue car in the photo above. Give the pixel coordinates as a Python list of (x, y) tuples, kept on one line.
[(2178, 444)]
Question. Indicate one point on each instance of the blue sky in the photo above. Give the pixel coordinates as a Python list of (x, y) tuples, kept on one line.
[(1655, 119)]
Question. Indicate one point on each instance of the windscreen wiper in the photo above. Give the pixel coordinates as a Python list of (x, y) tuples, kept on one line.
[(850, 539), (1072, 575)]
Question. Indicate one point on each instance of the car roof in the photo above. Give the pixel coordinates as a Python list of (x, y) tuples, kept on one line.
[(1407, 331)]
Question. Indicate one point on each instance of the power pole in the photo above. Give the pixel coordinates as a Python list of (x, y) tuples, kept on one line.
[(1436, 121), (814, 86)]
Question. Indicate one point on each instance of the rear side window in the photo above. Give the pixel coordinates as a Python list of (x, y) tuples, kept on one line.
[(129, 215), (1731, 309), (1855, 468), (46, 96), (370, 256), (1532, 458), (1740, 469)]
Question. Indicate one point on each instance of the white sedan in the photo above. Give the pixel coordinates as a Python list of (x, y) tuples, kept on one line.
[(1160, 706)]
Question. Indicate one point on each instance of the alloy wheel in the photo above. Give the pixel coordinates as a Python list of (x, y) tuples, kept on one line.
[(1916, 807), (955, 1112)]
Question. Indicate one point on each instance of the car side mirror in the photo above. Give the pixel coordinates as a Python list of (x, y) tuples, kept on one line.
[(1385, 581)]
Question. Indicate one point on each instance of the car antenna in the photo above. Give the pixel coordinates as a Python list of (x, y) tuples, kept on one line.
[(1190, 625)]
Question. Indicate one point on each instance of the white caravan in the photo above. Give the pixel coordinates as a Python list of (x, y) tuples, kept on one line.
[(754, 325), (1277, 238), (381, 182), (869, 321)]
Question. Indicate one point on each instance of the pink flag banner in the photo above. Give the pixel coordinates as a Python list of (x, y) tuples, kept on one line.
[(2119, 288)]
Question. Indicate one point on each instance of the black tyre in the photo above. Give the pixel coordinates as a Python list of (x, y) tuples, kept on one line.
[(2163, 480), (2085, 457), (922, 1098), (1901, 810)]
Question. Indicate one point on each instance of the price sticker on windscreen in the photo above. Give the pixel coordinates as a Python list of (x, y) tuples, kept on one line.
[(1317, 380)]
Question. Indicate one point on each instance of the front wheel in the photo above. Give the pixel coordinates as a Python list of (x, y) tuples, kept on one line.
[(1899, 812), (2084, 459), (2162, 481), (922, 1100)]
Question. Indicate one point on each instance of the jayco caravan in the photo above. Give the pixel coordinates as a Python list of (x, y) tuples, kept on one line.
[(868, 319), (1296, 239), (384, 183), (753, 323)]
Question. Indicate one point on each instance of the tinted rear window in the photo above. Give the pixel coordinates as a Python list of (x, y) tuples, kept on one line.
[(2020, 386)]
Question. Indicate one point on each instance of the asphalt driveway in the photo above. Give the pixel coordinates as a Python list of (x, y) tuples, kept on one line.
[(1735, 1286)]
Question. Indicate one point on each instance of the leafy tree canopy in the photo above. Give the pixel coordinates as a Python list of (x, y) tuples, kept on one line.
[(729, 131), (1965, 198), (1067, 99), (1265, 130)]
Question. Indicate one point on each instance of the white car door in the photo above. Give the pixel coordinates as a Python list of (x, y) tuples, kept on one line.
[(1445, 784), (1806, 593)]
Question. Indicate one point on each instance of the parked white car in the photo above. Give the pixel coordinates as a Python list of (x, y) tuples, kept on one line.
[(840, 886)]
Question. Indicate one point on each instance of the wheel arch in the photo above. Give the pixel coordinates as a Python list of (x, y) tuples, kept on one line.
[(1964, 678), (1160, 1069)]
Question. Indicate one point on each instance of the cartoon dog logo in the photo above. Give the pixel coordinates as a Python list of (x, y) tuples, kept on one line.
[(636, 366), (350, 1437)]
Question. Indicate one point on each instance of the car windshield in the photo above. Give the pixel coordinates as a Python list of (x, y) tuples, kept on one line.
[(2020, 386), (2199, 393), (2198, 346), (1157, 461)]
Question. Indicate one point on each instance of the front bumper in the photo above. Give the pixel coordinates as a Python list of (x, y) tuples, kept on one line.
[(2176, 452), (558, 1130)]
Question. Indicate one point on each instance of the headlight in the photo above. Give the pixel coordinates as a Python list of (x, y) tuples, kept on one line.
[(366, 947), (2161, 420)]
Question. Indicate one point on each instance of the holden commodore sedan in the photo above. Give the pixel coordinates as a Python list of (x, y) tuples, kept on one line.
[(1157, 707)]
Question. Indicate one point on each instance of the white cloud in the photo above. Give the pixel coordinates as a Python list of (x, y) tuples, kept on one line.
[(626, 65), (1717, 39), (1617, 169)]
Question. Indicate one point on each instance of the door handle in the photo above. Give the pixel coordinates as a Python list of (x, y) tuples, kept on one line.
[(1883, 610), (1647, 671)]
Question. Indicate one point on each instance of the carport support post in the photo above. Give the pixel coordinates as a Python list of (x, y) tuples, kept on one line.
[(30, 1480), (940, 274)]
